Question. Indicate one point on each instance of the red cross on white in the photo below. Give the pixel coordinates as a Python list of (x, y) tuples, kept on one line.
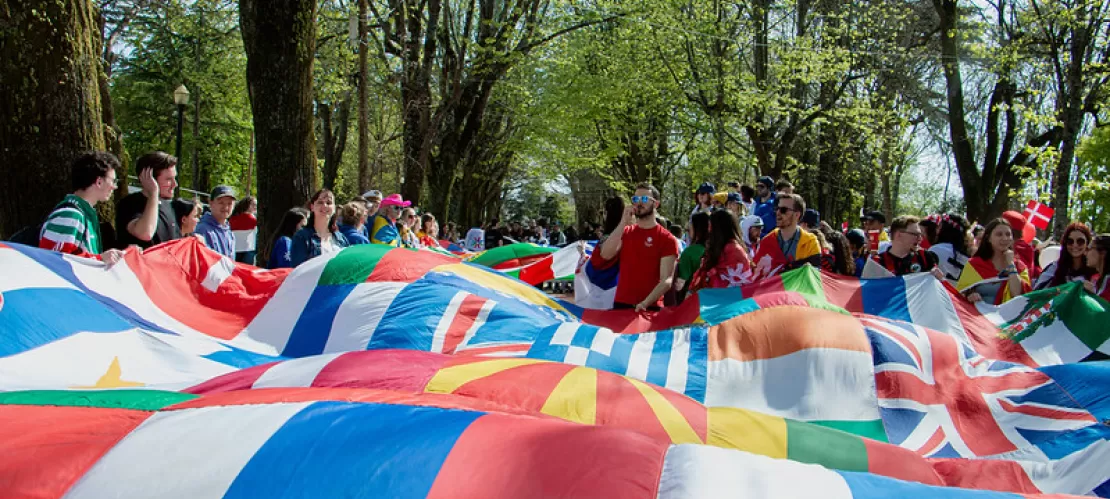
[(1038, 214)]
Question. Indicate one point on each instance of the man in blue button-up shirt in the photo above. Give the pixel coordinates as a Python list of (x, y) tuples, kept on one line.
[(214, 227)]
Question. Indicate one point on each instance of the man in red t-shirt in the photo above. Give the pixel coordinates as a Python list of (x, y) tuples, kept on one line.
[(647, 253)]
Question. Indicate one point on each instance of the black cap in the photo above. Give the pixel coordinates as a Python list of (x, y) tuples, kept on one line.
[(811, 217), (221, 191), (767, 182), (707, 188), (857, 237), (734, 197), (875, 215)]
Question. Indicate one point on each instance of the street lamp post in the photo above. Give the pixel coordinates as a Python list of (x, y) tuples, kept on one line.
[(181, 98)]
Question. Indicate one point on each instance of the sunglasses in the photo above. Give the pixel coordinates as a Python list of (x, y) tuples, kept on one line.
[(1077, 242), (784, 210), (641, 199)]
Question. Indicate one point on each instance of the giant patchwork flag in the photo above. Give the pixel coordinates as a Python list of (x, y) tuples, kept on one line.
[(858, 386)]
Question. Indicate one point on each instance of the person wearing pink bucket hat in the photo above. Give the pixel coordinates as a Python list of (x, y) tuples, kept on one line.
[(395, 200), (383, 228)]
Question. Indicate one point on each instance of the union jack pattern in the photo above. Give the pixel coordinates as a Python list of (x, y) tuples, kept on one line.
[(940, 398)]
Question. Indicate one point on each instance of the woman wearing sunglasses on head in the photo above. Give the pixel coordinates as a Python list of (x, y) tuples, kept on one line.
[(1072, 262)]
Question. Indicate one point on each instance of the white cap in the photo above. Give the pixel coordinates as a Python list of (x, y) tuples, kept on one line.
[(372, 194)]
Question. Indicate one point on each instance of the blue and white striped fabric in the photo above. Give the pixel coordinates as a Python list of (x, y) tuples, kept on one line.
[(674, 359)]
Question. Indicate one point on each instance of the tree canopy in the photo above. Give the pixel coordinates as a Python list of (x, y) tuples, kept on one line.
[(469, 107)]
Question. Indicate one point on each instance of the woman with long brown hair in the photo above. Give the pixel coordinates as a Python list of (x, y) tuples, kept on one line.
[(725, 264), (993, 275), (1098, 256), (320, 235)]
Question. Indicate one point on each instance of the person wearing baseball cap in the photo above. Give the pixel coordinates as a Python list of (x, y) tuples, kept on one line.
[(735, 204), (214, 227), (371, 199), (765, 203), (811, 219), (875, 221), (703, 197), (383, 229)]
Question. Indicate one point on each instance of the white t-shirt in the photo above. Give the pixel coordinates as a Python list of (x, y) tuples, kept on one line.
[(328, 246)]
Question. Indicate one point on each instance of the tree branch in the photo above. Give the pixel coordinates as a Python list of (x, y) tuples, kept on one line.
[(585, 24)]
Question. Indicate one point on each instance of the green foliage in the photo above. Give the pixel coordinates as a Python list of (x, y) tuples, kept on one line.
[(195, 43), (841, 98), (1092, 204)]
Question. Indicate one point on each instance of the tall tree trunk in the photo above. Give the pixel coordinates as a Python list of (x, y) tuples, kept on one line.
[(363, 104), (279, 37), (962, 148), (1061, 180), (1071, 116), (113, 141), (113, 136), (323, 109), (50, 103)]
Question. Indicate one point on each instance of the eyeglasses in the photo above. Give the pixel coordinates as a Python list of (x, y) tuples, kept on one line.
[(1077, 242), (114, 181), (783, 210), (912, 234), (642, 199)]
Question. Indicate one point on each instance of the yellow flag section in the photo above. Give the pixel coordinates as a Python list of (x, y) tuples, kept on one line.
[(820, 372), (588, 396), (491, 280)]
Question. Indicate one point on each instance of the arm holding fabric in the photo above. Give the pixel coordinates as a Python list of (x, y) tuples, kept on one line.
[(666, 274)]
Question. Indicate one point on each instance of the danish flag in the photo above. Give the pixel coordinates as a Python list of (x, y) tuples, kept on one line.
[(1038, 214)]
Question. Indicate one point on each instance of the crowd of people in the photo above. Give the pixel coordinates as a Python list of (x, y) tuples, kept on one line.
[(731, 238), (746, 234)]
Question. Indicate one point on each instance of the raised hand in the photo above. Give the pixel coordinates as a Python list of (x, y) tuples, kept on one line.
[(150, 185)]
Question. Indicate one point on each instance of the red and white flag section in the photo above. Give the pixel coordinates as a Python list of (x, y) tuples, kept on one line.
[(1038, 214)]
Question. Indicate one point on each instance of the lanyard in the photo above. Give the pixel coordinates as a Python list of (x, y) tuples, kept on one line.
[(788, 249)]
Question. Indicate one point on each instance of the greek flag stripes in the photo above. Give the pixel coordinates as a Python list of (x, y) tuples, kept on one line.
[(675, 359)]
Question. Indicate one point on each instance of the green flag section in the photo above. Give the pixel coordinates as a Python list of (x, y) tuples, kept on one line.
[(513, 255), (870, 429), (1056, 325), (139, 400), (355, 264), (808, 442)]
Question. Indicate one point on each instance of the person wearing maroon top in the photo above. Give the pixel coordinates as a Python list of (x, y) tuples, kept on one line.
[(647, 253), (905, 256), (1023, 251)]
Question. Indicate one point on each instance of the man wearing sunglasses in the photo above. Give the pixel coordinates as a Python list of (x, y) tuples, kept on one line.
[(905, 255), (788, 246), (647, 253), (383, 227)]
